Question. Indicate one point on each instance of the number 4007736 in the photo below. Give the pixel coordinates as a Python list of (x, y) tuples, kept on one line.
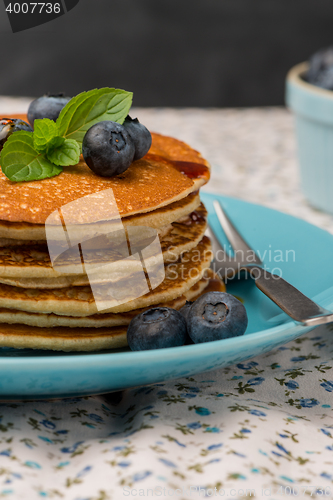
[(33, 8)]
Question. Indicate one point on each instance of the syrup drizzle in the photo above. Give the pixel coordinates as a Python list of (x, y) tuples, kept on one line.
[(214, 285), (194, 218), (191, 169)]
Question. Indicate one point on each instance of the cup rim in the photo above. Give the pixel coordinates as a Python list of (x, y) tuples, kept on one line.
[(295, 74)]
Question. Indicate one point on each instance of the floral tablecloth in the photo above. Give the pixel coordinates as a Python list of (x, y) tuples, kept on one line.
[(262, 428)]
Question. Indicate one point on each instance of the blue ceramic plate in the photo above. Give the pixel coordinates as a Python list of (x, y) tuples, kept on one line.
[(301, 251)]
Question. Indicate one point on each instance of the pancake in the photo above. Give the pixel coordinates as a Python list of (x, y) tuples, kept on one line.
[(31, 267), (43, 308), (79, 301), (9, 242), (73, 339), (60, 282), (12, 316), (62, 338), (10, 232), (148, 184)]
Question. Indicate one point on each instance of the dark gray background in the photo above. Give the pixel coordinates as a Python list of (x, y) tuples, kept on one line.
[(168, 52)]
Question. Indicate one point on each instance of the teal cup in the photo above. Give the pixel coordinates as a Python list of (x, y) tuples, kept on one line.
[(313, 111)]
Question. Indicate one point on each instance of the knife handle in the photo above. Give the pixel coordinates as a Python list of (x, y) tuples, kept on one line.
[(289, 299)]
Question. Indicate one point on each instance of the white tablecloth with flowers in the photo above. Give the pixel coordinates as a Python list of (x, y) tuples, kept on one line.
[(263, 428)]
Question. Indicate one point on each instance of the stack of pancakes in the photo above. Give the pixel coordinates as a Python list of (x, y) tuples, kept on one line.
[(42, 307)]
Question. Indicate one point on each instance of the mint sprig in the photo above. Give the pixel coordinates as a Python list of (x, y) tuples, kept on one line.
[(28, 156), (21, 162), (67, 153), (46, 135)]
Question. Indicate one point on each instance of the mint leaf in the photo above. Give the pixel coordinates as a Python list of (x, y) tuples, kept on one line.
[(21, 162), (92, 107), (46, 135), (66, 154)]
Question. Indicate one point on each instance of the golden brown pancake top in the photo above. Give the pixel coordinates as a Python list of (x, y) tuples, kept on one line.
[(172, 148), (146, 185)]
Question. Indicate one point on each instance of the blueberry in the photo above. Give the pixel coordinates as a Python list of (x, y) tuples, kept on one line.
[(185, 311), (108, 149), (10, 125), (216, 316), (140, 136), (320, 72), (186, 308), (47, 106), (156, 328)]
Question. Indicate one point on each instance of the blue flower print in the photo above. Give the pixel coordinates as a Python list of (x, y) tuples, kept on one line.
[(291, 384), (327, 476), (84, 471), (6, 453), (62, 464), (95, 418), (188, 395), (180, 444), (255, 381), (167, 462), (281, 448), (139, 476), (308, 403), (40, 413), (214, 446), (328, 385), (32, 465), (202, 411), (194, 425), (257, 413), (46, 439), (285, 478), (247, 366), (16, 475), (72, 449), (48, 424), (326, 432), (298, 358)]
